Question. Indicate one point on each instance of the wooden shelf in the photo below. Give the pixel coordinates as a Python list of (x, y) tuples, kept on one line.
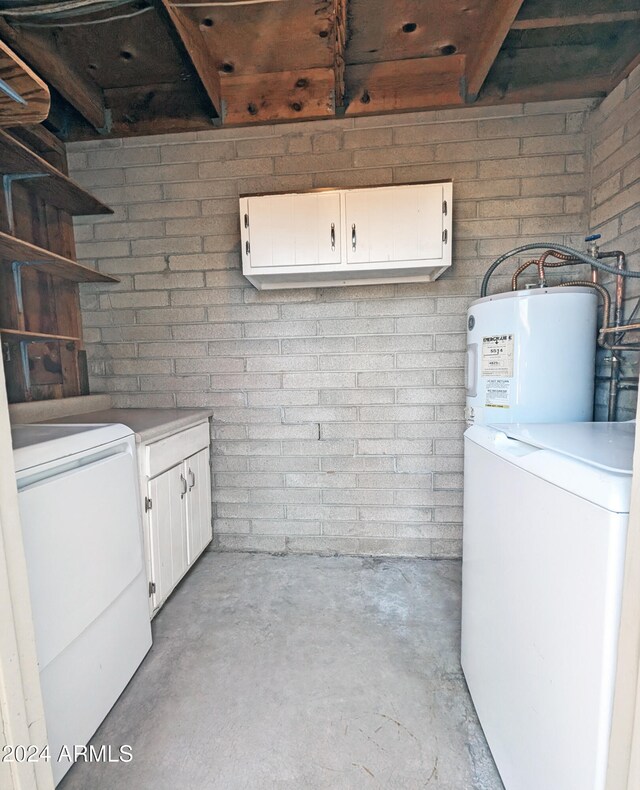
[(35, 336), (51, 185), (14, 249), (36, 103)]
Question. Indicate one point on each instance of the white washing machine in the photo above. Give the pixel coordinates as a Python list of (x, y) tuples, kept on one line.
[(545, 523), (82, 532)]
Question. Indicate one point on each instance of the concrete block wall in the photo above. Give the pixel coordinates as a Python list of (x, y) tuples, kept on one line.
[(614, 208), (338, 411)]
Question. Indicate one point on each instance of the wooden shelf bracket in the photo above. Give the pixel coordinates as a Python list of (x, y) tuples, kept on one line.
[(7, 184)]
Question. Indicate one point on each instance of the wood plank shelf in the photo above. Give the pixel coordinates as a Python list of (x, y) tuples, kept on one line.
[(28, 100), (18, 335), (51, 185), (14, 249)]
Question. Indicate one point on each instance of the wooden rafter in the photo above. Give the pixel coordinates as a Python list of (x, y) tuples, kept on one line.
[(74, 86), (196, 50), (339, 46), (279, 96), (490, 38), (414, 84), (576, 19)]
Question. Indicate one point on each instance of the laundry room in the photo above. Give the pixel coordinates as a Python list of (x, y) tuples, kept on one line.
[(320, 326)]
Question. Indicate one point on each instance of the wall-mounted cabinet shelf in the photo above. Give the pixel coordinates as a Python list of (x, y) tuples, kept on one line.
[(400, 233), (19, 335), (24, 97), (13, 249), (20, 163)]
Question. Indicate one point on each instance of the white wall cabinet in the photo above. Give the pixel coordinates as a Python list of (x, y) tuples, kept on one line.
[(337, 237), (176, 479)]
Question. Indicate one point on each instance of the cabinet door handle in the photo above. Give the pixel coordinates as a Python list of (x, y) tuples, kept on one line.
[(193, 479), (247, 248), (333, 236), (353, 237), (185, 488)]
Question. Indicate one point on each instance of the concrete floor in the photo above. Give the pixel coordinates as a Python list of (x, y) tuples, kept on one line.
[(300, 672)]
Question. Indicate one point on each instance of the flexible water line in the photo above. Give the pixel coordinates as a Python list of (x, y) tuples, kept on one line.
[(582, 256)]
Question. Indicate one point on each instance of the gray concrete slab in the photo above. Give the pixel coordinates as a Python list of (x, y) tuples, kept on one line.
[(300, 672)]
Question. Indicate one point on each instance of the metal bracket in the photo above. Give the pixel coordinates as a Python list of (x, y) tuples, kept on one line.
[(9, 91), (7, 182), (108, 122), (24, 355), (16, 267)]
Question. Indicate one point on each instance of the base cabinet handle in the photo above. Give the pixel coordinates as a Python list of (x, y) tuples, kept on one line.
[(193, 479), (354, 239), (185, 487)]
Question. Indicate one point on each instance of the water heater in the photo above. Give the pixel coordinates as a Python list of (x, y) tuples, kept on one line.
[(531, 356)]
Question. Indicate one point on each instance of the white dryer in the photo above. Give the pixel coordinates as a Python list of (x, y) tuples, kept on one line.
[(545, 523), (82, 532)]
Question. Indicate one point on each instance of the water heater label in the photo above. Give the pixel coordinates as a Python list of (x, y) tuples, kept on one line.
[(497, 356), (497, 393)]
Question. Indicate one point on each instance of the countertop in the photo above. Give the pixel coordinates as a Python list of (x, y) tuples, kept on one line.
[(147, 424)]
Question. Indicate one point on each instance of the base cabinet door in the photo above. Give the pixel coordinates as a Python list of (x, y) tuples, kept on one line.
[(168, 534), (198, 475)]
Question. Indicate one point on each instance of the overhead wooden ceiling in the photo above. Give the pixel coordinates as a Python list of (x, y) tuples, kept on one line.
[(128, 67)]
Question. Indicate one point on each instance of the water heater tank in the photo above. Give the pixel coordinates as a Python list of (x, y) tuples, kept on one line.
[(531, 356)]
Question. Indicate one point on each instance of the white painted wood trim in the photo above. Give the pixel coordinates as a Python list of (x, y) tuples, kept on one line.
[(21, 712)]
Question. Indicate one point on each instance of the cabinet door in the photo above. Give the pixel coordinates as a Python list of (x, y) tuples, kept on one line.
[(198, 475), (167, 521), (292, 230), (394, 224)]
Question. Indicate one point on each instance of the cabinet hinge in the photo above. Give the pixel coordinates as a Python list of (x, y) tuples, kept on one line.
[(445, 208), (148, 504), (445, 235), (152, 588)]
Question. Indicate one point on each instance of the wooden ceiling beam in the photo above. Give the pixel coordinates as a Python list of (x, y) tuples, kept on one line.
[(413, 84), (490, 38), (576, 19), (281, 96), (206, 67), (75, 87), (339, 47)]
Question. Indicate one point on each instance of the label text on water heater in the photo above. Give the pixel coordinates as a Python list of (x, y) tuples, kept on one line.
[(497, 356)]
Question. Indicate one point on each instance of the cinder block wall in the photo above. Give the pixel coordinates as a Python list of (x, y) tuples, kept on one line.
[(338, 412), (614, 177)]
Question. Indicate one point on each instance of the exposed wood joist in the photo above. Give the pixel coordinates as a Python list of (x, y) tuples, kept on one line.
[(489, 40), (576, 19), (75, 87), (196, 50), (282, 96), (542, 74), (339, 47), (418, 84), (29, 100)]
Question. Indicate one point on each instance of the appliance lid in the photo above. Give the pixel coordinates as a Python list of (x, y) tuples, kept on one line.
[(591, 460), (37, 444), (605, 445)]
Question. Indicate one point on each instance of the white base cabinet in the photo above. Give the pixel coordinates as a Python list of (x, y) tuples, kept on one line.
[(347, 236), (176, 480)]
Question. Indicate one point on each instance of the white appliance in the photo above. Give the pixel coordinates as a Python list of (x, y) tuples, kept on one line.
[(531, 356), (82, 531), (545, 522)]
